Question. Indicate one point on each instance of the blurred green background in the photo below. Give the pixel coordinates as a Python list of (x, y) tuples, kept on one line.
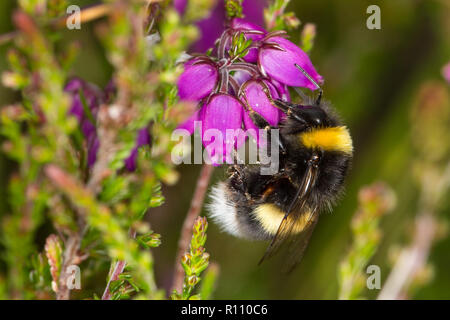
[(373, 78)]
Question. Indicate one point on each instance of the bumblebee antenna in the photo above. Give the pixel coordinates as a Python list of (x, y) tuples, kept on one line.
[(306, 74)]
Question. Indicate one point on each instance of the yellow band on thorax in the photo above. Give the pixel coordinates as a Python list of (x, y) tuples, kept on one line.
[(330, 139)]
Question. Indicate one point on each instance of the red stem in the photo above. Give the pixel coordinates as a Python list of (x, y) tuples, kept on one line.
[(118, 269)]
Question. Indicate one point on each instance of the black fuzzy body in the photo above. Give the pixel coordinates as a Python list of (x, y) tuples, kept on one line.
[(247, 188)]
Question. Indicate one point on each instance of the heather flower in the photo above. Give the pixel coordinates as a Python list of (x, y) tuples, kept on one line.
[(198, 80), (79, 89), (220, 113), (242, 77), (86, 100), (142, 139), (282, 90), (256, 99), (180, 5), (277, 59), (223, 112)]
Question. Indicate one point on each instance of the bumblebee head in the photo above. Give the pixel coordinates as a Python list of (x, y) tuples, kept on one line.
[(322, 131), (316, 127), (314, 124), (308, 116), (311, 116)]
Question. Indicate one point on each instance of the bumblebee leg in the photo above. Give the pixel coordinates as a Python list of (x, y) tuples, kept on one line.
[(257, 119), (284, 106), (237, 179), (261, 123), (236, 170), (293, 182), (289, 109)]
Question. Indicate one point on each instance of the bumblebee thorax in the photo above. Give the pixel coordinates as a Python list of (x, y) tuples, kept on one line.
[(327, 139)]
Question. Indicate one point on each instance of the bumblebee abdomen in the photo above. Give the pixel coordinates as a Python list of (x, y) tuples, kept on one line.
[(232, 212), (223, 210), (270, 216), (238, 216)]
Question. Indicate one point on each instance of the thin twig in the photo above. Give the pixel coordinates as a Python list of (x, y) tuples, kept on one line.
[(411, 260), (276, 14), (86, 15), (118, 269), (192, 214), (71, 247), (73, 242)]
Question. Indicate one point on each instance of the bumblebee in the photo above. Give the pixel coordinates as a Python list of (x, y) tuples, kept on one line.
[(316, 151)]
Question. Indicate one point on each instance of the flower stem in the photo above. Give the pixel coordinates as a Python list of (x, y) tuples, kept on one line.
[(118, 269), (194, 211), (411, 259), (72, 246)]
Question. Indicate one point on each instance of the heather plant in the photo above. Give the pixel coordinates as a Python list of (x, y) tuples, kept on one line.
[(90, 163), (84, 157), (237, 83), (91, 160), (374, 201)]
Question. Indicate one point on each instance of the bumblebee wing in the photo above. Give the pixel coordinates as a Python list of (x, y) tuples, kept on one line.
[(299, 242), (297, 208)]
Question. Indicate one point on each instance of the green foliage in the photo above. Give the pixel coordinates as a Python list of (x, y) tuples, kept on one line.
[(97, 211), (277, 19), (307, 37), (123, 287), (374, 92), (239, 46), (40, 276), (149, 240), (209, 281), (233, 9), (374, 202), (54, 253), (194, 263), (198, 9)]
